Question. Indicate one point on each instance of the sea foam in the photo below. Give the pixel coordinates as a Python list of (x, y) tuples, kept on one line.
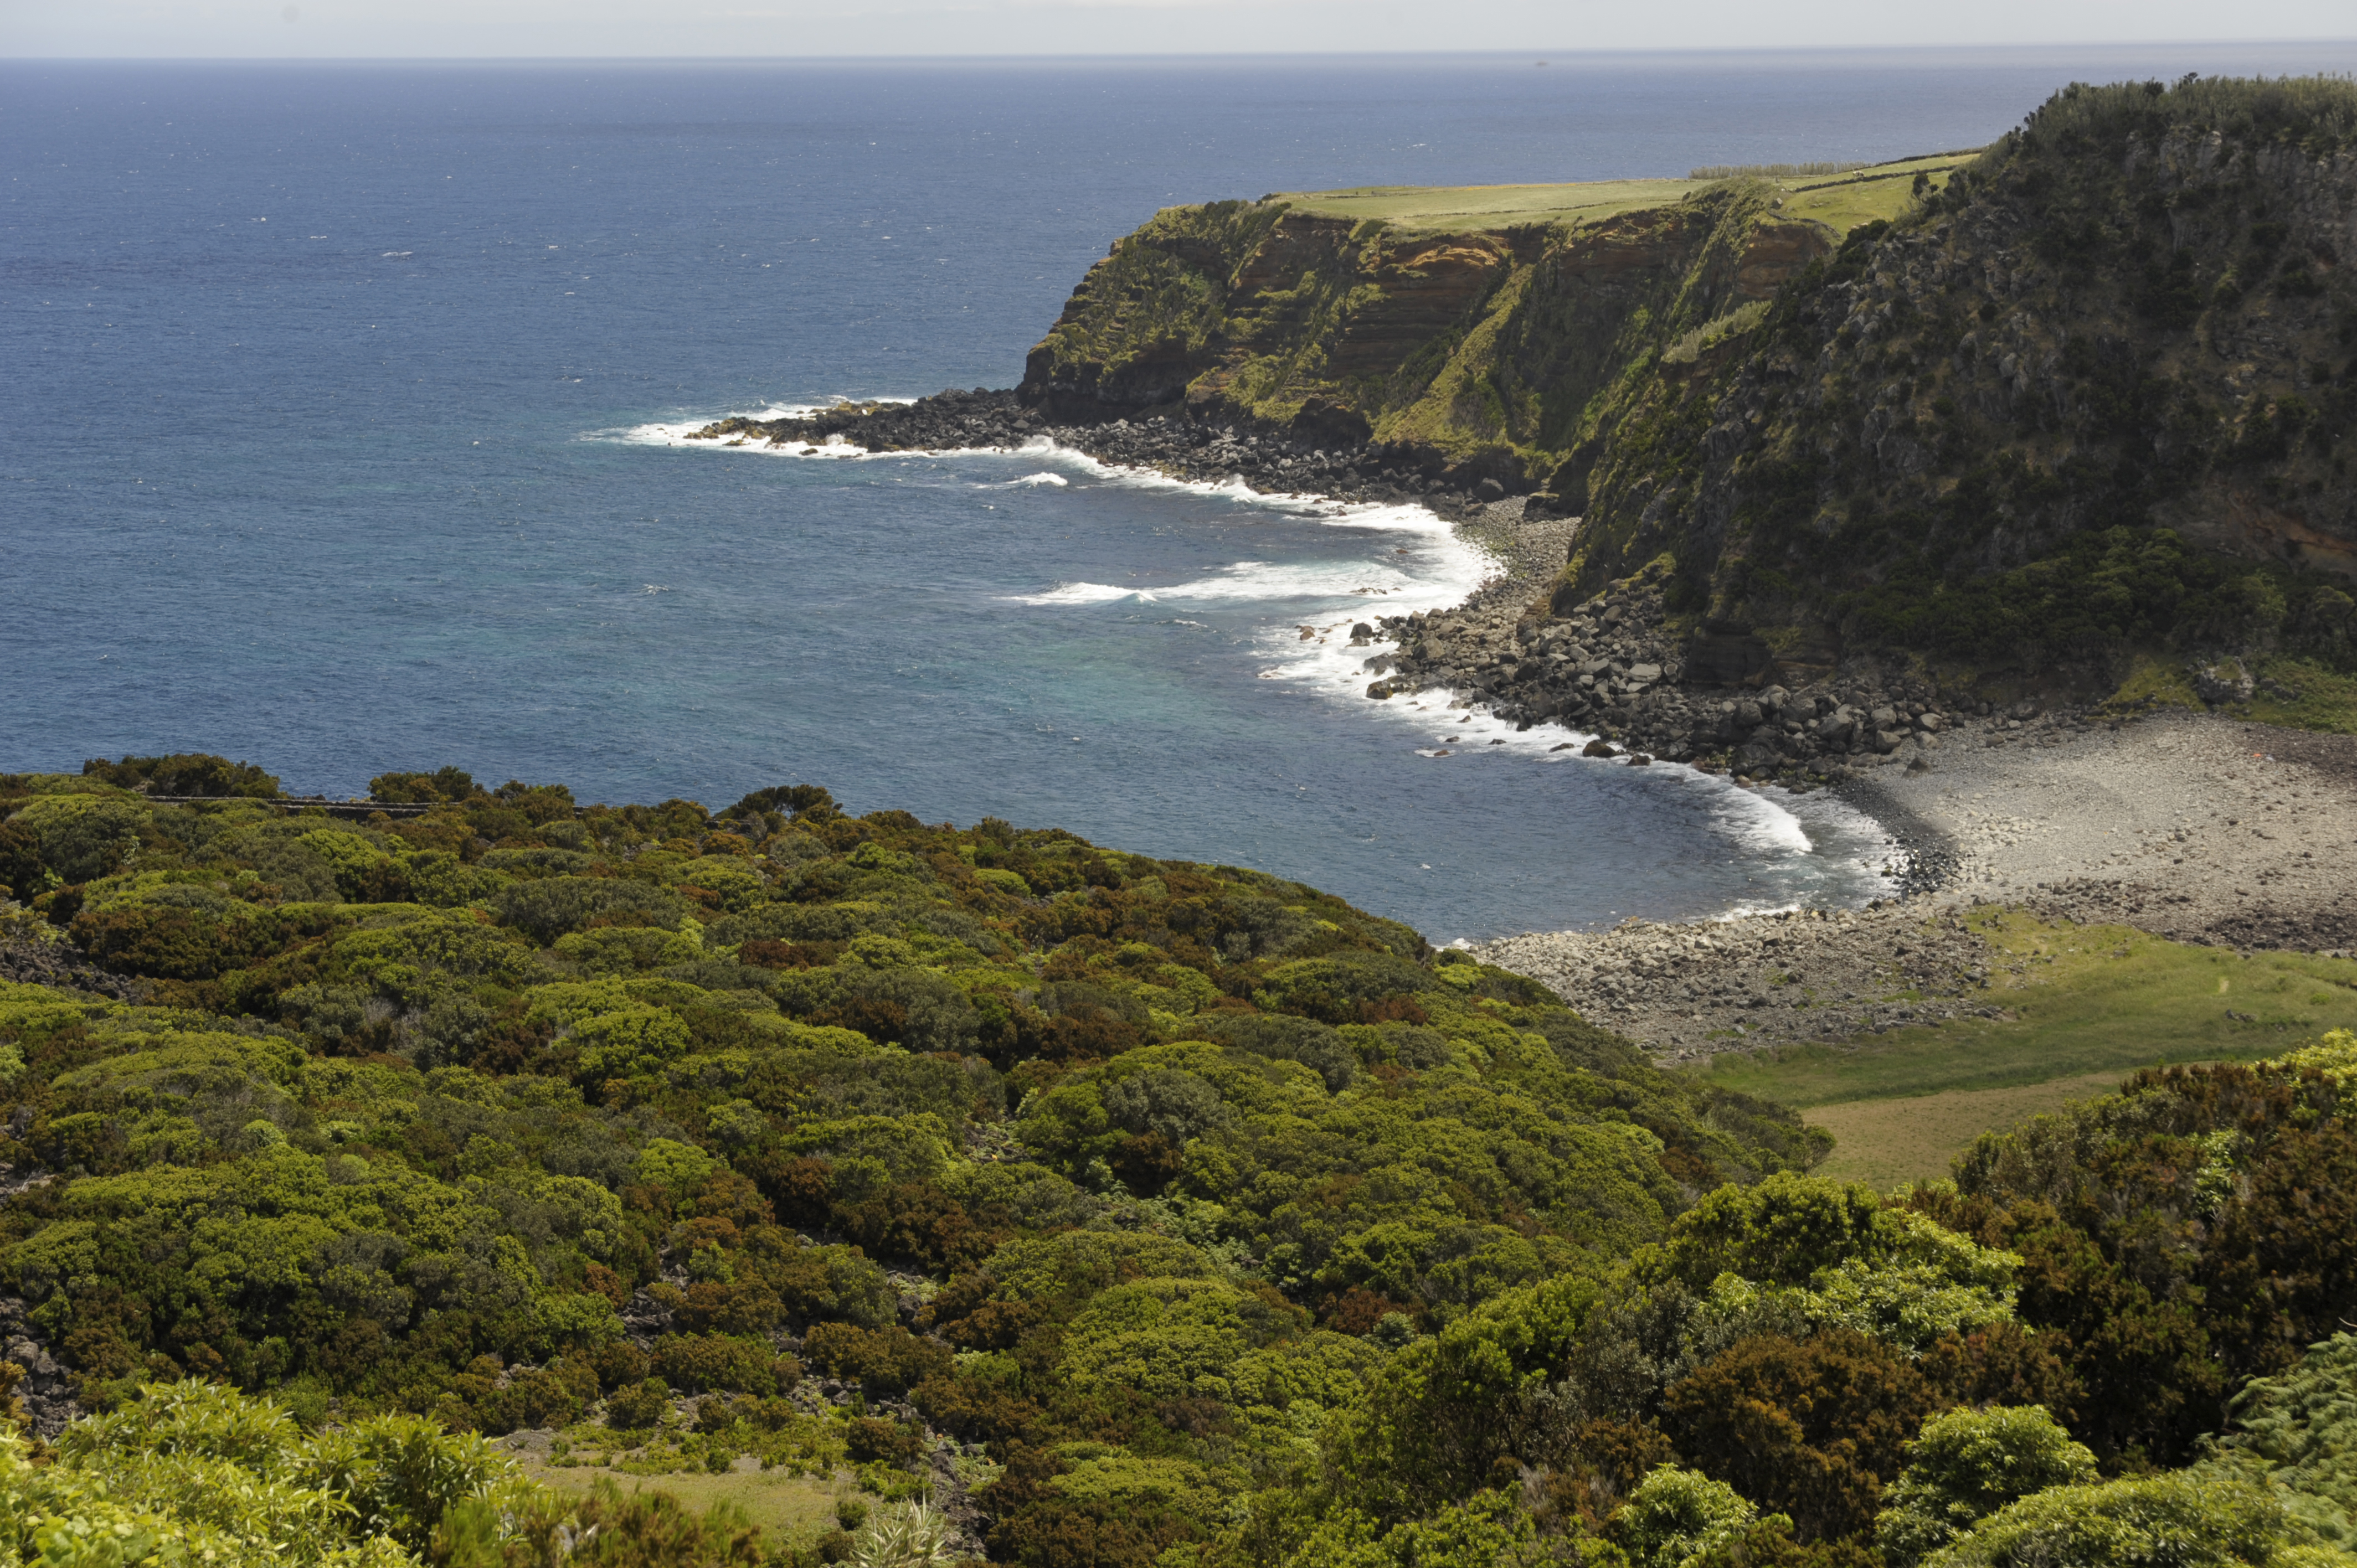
[(1825, 841)]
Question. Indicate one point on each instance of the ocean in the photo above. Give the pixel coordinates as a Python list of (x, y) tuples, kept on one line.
[(338, 431)]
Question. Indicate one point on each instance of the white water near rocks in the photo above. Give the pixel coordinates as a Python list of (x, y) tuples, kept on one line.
[(1824, 848)]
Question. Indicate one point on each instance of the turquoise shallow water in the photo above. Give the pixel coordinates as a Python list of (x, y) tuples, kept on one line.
[(331, 436)]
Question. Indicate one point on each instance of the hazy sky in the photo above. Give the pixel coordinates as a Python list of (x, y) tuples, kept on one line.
[(414, 29)]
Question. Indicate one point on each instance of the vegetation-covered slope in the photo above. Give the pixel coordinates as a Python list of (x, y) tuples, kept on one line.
[(2037, 418), (1142, 1212), (1485, 327), (503, 1107)]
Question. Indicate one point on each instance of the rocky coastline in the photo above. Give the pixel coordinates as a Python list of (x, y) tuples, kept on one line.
[(1300, 458), (2070, 810), (1608, 665)]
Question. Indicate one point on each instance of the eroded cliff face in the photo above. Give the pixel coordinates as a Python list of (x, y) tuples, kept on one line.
[(1497, 348), (2044, 415)]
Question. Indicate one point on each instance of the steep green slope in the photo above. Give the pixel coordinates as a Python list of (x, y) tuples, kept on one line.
[(2084, 397), (1488, 327), (2096, 394)]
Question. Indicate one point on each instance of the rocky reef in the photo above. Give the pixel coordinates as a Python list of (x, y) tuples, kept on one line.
[(1269, 458)]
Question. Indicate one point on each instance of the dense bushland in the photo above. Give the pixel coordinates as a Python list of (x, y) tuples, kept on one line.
[(1184, 1214)]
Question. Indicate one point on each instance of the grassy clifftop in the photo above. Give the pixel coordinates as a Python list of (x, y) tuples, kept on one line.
[(1489, 324)]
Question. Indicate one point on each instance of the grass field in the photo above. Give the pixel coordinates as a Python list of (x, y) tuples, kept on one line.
[(1841, 202), (1886, 1141), (2090, 1004), (784, 1506)]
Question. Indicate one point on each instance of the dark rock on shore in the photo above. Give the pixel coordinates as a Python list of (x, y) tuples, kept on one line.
[(1611, 664), (1310, 456), (46, 1391)]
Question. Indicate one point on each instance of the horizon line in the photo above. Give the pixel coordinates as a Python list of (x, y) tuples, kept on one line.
[(1078, 57)]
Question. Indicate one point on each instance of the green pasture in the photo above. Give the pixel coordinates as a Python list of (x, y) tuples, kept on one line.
[(785, 1506), (1841, 202), (2091, 1004)]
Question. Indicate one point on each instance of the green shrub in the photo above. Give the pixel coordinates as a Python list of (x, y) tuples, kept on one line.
[(186, 773), (699, 1361), (1966, 1465), (2177, 1521), (549, 907), (1675, 1516), (635, 1408)]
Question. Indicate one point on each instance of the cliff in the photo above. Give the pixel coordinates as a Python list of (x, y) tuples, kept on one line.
[(2083, 394), (2092, 397), (1489, 328), (2020, 419)]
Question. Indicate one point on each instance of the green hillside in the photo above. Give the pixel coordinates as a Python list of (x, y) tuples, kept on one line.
[(901, 1193), (2091, 396)]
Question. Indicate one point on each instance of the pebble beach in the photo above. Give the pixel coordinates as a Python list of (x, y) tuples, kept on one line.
[(2191, 827)]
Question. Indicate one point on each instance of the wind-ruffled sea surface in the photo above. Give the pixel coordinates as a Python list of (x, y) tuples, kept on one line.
[(341, 427)]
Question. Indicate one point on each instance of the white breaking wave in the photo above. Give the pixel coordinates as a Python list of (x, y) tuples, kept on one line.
[(675, 433), (1835, 844), (1829, 842), (1082, 593)]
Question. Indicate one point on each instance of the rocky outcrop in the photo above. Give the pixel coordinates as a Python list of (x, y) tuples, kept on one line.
[(1614, 666), (62, 965), (1292, 458), (45, 1391)]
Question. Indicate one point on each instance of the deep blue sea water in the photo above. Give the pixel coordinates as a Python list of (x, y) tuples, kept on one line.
[(334, 403)]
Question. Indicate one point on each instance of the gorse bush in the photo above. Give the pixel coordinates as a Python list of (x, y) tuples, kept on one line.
[(1968, 1464), (195, 1472)]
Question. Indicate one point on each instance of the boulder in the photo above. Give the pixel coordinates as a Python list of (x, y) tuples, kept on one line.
[(2216, 684), (1598, 747), (1728, 659)]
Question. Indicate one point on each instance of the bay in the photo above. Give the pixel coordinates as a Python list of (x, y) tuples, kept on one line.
[(334, 434)]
